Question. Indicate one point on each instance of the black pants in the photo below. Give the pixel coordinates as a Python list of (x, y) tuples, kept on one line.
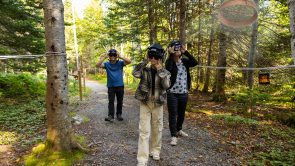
[(119, 93), (176, 107)]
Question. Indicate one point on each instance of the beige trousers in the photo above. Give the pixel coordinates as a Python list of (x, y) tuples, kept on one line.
[(150, 131)]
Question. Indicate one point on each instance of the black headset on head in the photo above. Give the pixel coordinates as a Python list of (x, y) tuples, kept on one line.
[(177, 45), (112, 52), (156, 50)]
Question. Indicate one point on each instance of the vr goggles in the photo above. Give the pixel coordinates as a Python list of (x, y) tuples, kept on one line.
[(176, 44), (155, 53), (177, 47), (112, 52)]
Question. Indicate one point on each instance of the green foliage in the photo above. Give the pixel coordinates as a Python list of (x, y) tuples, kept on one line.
[(25, 86), (23, 121), (247, 96), (287, 119), (21, 27), (102, 78), (274, 157), (235, 119), (22, 108)]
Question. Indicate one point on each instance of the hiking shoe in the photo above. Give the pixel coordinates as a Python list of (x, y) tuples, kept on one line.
[(119, 118), (182, 133), (173, 141), (109, 118)]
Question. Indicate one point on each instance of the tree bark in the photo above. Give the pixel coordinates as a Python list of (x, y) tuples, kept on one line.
[(220, 75), (291, 4), (207, 77), (182, 21), (199, 46), (59, 128), (152, 22), (252, 51)]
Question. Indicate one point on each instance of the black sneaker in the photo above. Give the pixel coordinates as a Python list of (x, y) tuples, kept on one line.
[(119, 118), (109, 118)]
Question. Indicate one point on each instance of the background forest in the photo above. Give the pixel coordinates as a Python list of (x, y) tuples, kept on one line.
[(130, 26)]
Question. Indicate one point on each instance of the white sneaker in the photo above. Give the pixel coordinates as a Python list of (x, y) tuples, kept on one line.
[(182, 133), (173, 141), (141, 164), (156, 156)]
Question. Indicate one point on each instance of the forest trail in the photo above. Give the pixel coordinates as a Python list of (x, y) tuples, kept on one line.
[(116, 143)]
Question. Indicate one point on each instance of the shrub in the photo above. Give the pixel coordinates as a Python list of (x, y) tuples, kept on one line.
[(21, 86), (248, 96)]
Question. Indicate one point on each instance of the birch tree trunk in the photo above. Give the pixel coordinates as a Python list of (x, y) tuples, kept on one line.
[(59, 127), (252, 51), (291, 4)]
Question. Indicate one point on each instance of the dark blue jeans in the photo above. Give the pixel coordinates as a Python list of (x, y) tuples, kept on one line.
[(117, 92), (176, 107)]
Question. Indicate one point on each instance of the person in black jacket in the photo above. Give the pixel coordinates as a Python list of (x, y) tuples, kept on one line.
[(178, 64)]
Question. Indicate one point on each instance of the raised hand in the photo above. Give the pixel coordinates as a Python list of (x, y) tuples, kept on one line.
[(159, 65)]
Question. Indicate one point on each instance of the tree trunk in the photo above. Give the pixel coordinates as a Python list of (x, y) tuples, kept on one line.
[(252, 51), (182, 22), (152, 22), (207, 77), (199, 46), (59, 127), (220, 75), (291, 4)]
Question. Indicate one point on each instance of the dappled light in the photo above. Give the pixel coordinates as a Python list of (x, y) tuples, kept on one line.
[(207, 82)]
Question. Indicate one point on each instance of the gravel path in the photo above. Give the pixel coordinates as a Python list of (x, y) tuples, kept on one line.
[(115, 144)]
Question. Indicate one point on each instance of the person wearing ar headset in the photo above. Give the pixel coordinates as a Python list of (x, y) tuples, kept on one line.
[(178, 64), (115, 84), (151, 92)]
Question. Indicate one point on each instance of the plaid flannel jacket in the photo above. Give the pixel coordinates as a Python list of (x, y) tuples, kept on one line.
[(144, 89)]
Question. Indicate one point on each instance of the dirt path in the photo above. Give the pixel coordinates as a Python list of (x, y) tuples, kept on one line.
[(115, 144)]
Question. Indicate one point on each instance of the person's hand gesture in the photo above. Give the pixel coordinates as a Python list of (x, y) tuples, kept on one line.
[(104, 56), (171, 50), (158, 65), (182, 49), (119, 55)]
